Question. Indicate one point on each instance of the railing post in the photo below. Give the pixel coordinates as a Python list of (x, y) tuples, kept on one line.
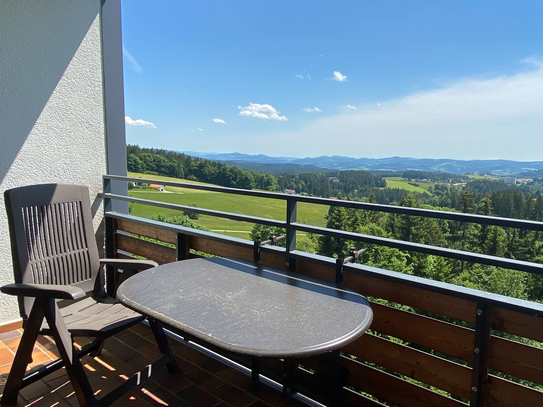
[(111, 226), (291, 233), (181, 247), (481, 350), (256, 250)]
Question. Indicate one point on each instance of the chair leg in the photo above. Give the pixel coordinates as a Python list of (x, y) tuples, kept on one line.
[(163, 345), (24, 354), (69, 355), (98, 350)]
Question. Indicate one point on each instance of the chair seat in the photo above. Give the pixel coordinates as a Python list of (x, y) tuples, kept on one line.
[(96, 319)]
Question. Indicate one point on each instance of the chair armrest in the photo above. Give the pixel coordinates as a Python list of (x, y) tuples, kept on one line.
[(63, 292), (129, 264)]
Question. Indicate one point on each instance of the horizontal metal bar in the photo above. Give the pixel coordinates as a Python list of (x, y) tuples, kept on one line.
[(400, 210), (211, 188), (422, 248), (471, 294), (209, 212)]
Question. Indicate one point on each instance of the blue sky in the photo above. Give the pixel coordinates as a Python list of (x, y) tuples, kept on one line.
[(425, 79)]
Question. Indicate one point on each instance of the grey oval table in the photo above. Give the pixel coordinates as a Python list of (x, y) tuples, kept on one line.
[(248, 309)]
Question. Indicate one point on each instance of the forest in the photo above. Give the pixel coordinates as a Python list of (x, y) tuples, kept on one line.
[(484, 197)]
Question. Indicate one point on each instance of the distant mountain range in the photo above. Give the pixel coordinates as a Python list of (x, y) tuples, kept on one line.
[(262, 162)]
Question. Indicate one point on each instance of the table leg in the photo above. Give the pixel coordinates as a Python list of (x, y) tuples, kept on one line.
[(288, 369), (330, 377), (255, 374)]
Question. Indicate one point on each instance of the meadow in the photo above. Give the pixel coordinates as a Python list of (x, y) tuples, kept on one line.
[(402, 183), (239, 204)]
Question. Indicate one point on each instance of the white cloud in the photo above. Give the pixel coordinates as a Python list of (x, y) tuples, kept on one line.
[(133, 63), (200, 129), (299, 76), (378, 104), (351, 107), (321, 55), (138, 123), (309, 77), (339, 77), (261, 112), (309, 109), (219, 121), (533, 61), (481, 117)]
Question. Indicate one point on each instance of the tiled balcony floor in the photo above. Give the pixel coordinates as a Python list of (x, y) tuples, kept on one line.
[(203, 381)]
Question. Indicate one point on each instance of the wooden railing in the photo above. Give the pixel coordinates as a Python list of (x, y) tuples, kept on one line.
[(430, 344)]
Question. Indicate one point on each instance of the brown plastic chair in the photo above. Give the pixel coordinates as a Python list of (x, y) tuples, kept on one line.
[(56, 261)]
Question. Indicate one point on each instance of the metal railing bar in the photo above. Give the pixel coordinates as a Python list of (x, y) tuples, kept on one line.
[(399, 210), (211, 188), (422, 248), (209, 212), (236, 241), (471, 294)]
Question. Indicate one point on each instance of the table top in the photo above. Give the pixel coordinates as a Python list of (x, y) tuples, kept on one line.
[(249, 309)]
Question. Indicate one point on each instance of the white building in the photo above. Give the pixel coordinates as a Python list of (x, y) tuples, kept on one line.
[(62, 105)]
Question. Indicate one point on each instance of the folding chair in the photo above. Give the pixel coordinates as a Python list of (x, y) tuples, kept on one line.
[(56, 261)]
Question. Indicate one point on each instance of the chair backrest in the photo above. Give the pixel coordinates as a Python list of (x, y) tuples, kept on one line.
[(52, 237)]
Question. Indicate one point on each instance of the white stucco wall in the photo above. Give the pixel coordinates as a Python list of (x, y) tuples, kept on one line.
[(51, 105)]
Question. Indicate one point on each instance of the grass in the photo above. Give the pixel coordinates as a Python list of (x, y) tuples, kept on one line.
[(239, 204), (402, 183)]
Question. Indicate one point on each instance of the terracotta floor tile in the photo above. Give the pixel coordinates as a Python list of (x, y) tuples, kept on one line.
[(6, 356), (30, 391), (9, 335), (260, 403), (196, 397), (134, 340), (125, 353), (4, 370), (159, 395), (233, 395), (40, 358), (151, 351), (185, 352), (131, 399), (111, 343), (12, 343), (48, 400), (267, 394), (46, 342), (171, 382), (203, 379), (140, 363), (140, 329), (235, 377)]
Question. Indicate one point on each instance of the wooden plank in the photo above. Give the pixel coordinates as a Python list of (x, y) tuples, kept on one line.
[(392, 389), (221, 249), (315, 270), (146, 249), (147, 230), (443, 374), (517, 323), (418, 298), (273, 260), (504, 393), (441, 336), (359, 400), (516, 359)]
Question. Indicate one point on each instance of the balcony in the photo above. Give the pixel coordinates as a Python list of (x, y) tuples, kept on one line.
[(430, 344)]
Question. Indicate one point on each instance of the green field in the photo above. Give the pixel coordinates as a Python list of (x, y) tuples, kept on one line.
[(239, 204), (402, 183)]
